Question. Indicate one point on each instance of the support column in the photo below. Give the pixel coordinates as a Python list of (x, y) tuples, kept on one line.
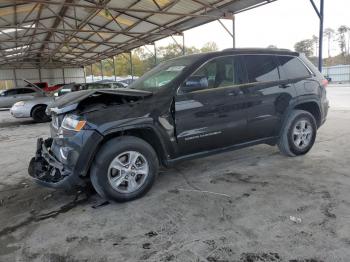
[(92, 74), (233, 31), (15, 77), (320, 48), (183, 44), (131, 66), (155, 54), (64, 78), (114, 69), (320, 14), (39, 69), (101, 69), (84, 75), (233, 36)]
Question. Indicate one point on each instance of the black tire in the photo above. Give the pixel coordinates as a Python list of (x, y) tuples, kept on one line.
[(39, 115), (286, 141), (110, 150)]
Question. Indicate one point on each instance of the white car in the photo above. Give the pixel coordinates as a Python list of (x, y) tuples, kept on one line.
[(13, 95), (35, 108)]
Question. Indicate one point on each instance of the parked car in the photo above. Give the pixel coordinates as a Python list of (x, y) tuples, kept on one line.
[(35, 108), (184, 108), (10, 96), (104, 84), (45, 86)]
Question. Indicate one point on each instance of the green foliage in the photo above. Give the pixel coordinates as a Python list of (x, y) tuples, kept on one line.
[(143, 59), (305, 46), (342, 30)]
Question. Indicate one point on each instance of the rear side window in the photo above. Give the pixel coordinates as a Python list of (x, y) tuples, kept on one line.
[(12, 92), (261, 68), (25, 91), (292, 67)]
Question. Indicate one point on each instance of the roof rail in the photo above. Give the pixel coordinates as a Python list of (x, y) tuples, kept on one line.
[(258, 49)]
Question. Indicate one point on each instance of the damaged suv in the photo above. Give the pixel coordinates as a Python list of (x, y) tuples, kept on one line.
[(184, 108)]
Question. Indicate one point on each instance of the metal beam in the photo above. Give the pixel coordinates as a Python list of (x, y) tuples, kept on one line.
[(102, 7), (320, 14)]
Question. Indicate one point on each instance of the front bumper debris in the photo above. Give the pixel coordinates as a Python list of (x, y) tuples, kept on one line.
[(48, 171)]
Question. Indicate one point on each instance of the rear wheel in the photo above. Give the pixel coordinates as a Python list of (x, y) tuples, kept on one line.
[(39, 115), (298, 134), (124, 169)]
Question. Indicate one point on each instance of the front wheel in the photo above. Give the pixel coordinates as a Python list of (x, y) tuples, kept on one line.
[(39, 115), (125, 168), (298, 134)]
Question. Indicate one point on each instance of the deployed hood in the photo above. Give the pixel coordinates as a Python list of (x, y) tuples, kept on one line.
[(34, 86), (71, 101)]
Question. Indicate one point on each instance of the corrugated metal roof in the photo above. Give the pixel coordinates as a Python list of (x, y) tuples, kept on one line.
[(81, 32)]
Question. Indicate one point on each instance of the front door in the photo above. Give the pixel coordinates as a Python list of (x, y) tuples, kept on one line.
[(8, 98), (210, 108)]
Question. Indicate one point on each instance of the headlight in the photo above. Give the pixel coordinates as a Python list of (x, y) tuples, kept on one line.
[(73, 122), (20, 103)]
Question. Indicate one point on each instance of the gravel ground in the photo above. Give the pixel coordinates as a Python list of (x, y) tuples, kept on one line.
[(248, 205)]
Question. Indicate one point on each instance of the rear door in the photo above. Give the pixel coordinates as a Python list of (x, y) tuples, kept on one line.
[(214, 115), (269, 96), (25, 94)]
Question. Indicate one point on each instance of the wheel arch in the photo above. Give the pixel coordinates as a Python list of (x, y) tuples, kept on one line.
[(145, 133), (36, 106), (312, 107)]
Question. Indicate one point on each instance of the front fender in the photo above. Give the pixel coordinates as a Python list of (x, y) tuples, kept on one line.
[(152, 131)]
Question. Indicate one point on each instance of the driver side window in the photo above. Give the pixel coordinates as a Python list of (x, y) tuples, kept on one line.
[(219, 72)]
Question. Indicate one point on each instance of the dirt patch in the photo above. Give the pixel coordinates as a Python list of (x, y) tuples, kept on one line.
[(232, 177), (260, 257)]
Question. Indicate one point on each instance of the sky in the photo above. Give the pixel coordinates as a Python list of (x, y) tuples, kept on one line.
[(281, 23)]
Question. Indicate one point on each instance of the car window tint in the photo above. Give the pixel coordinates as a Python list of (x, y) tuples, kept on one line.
[(25, 91), (292, 67), (222, 72), (12, 92), (261, 68)]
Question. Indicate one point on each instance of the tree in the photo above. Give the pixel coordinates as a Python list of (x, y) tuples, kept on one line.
[(329, 33), (305, 46), (209, 47), (342, 30), (272, 46)]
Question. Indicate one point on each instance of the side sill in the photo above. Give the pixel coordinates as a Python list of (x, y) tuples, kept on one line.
[(268, 140)]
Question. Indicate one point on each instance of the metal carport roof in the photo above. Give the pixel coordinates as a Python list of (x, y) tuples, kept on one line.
[(81, 32)]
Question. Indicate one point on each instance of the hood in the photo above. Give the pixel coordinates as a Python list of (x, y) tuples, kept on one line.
[(70, 101), (35, 87)]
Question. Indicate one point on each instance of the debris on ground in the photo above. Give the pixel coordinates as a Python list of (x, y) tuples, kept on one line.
[(296, 220)]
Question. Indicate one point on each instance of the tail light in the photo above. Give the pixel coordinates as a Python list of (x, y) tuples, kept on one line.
[(324, 83)]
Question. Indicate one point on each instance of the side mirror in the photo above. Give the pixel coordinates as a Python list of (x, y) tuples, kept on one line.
[(195, 83)]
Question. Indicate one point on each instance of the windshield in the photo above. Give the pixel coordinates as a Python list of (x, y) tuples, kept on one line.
[(162, 74)]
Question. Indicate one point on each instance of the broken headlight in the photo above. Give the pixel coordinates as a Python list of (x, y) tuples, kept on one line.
[(73, 122)]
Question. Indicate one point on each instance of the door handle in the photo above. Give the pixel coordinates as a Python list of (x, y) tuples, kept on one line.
[(284, 85)]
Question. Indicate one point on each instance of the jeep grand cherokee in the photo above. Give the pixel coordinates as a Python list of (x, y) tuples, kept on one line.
[(184, 108)]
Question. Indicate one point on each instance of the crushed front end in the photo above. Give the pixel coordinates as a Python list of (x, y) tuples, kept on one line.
[(46, 169), (63, 160)]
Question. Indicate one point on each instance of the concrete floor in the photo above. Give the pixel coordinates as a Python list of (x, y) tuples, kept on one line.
[(242, 214)]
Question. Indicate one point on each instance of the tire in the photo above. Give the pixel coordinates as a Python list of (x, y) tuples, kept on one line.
[(293, 131), (39, 115), (103, 174)]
